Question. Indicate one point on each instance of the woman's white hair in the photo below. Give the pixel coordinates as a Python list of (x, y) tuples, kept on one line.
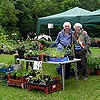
[(77, 24), (66, 24)]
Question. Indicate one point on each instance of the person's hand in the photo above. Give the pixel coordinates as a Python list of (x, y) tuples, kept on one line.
[(59, 47)]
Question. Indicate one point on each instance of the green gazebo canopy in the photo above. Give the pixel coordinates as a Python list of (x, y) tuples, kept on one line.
[(74, 15)]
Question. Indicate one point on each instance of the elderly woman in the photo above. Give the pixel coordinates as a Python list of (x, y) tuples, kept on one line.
[(64, 39), (81, 41)]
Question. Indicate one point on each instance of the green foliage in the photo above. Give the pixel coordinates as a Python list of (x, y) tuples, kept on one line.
[(20, 16), (54, 53), (69, 4), (22, 73), (1, 29), (26, 21), (90, 61), (20, 46), (29, 53), (97, 62), (8, 16), (91, 5), (6, 44), (93, 62), (45, 7)]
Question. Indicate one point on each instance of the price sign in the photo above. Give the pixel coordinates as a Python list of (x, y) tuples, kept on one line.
[(37, 65), (50, 25)]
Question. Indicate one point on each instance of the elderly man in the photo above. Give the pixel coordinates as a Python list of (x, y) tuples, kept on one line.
[(81, 41), (64, 39)]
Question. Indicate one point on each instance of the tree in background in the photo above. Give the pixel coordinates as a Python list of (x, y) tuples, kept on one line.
[(8, 17), (26, 20), (69, 4), (91, 5), (21, 15)]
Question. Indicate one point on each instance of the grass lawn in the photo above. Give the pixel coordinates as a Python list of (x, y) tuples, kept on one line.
[(86, 90), (95, 51)]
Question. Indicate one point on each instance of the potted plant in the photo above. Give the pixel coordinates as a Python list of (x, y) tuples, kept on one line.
[(69, 52), (46, 55), (90, 64), (97, 65), (18, 78), (21, 50), (29, 55)]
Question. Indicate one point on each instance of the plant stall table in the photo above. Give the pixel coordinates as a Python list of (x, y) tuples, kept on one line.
[(22, 62), (63, 69)]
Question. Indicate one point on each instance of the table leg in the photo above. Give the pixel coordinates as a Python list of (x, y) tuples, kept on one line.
[(22, 64), (63, 75), (26, 64), (75, 69)]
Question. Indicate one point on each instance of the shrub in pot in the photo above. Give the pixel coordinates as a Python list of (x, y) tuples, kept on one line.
[(69, 52), (21, 50), (90, 64), (97, 65), (29, 55)]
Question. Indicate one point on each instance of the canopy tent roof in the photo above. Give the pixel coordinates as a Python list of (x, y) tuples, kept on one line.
[(72, 12), (96, 12), (93, 18), (73, 15)]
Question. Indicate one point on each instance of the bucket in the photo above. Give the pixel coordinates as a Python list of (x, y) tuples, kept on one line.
[(59, 69)]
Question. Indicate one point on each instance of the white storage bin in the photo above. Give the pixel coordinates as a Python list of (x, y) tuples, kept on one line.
[(16, 66), (2, 64)]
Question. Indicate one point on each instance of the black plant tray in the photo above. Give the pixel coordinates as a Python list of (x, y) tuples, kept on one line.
[(48, 84), (28, 58)]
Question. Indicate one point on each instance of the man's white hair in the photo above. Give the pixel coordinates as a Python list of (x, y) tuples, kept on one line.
[(77, 24), (66, 24)]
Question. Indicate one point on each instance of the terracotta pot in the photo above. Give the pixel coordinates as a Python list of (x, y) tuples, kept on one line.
[(90, 71), (41, 56), (98, 72)]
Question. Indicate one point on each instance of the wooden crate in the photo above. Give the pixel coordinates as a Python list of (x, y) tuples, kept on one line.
[(21, 82)]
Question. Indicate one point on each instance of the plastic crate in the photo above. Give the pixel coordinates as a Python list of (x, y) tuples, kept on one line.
[(5, 70), (59, 59), (2, 64), (50, 88)]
